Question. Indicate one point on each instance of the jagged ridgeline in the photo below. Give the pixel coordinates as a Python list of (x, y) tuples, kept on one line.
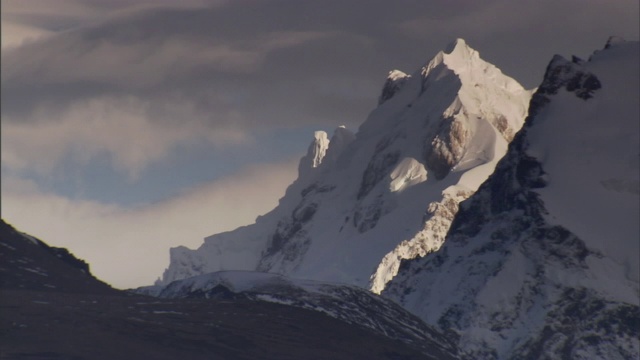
[(364, 201), (542, 261)]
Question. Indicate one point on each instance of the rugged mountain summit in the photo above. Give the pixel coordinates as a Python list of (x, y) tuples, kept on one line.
[(363, 202), (542, 261)]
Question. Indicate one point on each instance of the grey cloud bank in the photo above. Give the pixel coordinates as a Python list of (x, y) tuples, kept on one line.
[(252, 57), (229, 68)]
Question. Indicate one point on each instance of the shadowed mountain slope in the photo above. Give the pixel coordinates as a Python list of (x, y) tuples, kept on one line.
[(52, 308)]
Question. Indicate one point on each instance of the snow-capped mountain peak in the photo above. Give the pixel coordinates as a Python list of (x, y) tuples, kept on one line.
[(362, 202)]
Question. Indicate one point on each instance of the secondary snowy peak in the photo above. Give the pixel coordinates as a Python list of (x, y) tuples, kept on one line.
[(243, 248), (541, 262), (388, 191)]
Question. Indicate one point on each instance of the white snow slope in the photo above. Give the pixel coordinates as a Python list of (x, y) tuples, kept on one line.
[(363, 202), (542, 261)]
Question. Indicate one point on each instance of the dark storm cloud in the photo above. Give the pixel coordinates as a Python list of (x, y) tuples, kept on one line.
[(212, 58), (288, 62)]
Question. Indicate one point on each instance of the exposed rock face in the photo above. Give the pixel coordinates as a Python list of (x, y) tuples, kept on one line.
[(438, 220), (447, 147), (536, 264), (359, 198)]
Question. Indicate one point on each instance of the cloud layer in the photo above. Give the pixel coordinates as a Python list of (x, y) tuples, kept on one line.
[(228, 68)]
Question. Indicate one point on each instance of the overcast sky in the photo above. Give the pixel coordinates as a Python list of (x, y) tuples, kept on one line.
[(131, 126)]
